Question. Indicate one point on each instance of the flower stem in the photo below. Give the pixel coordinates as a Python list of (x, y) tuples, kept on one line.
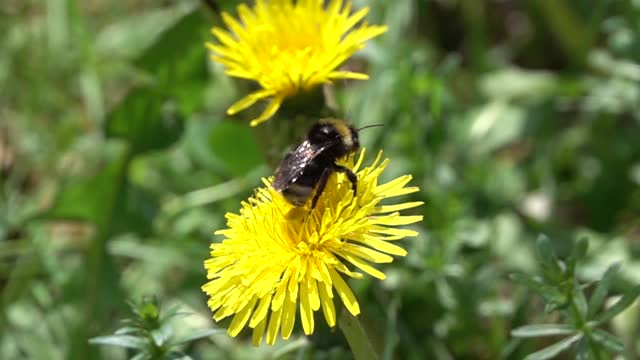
[(356, 336)]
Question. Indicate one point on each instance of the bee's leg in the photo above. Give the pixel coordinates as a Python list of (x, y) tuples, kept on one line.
[(350, 175), (324, 177)]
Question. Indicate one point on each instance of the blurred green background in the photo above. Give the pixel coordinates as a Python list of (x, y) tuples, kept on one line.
[(117, 163)]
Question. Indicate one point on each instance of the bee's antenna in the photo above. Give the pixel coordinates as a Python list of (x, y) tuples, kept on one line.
[(370, 126)]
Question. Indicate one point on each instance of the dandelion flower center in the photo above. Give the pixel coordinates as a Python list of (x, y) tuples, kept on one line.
[(277, 259), (287, 46)]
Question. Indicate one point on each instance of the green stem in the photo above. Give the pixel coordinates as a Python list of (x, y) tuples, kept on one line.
[(583, 326), (356, 336)]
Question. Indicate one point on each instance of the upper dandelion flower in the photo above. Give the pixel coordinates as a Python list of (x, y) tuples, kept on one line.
[(288, 46), (276, 258)]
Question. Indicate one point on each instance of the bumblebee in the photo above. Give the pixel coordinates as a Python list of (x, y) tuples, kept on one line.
[(311, 163)]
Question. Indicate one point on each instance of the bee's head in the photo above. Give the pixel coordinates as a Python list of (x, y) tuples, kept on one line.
[(343, 136)]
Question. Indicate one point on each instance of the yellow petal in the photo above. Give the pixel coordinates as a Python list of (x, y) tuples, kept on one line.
[(288, 317), (241, 318), (380, 245), (348, 75), (328, 309), (258, 332), (314, 297), (396, 220), (357, 262), (274, 326), (248, 100), (306, 315), (367, 253), (345, 293), (398, 207), (271, 109), (261, 311)]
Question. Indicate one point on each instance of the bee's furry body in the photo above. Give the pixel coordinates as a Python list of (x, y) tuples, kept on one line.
[(308, 167)]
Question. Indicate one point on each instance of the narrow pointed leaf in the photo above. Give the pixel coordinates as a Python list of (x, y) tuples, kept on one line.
[(608, 340), (125, 341), (539, 330), (600, 293), (581, 302), (582, 350), (196, 335), (578, 252), (627, 299), (555, 349)]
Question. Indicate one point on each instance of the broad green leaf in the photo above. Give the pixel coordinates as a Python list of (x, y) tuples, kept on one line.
[(607, 340), (515, 83), (178, 61), (553, 350), (180, 48), (135, 211), (125, 341), (600, 293), (539, 330), (91, 199), (235, 146), (129, 36), (495, 124), (196, 335), (145, 120), (627, 299)]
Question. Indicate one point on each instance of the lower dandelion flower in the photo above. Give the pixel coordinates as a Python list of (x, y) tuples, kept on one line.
[(277, 259)]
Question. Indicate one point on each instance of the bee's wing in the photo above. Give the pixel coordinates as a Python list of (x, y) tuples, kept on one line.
[(294, 163)]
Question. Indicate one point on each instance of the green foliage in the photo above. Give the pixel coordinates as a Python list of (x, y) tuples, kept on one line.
[(150, 334), (515, 118), (561, 290)]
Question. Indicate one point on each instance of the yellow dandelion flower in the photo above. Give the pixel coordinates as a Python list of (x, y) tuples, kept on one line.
[(287, 46), (276, 259)]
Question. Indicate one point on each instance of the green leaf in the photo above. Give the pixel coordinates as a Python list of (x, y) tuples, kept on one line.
[(627, 299), (539, 330), (600, 293), (141, 356), (135, 211), (578, 252), (178, 355), (607, 340), (145, 121), (126, 330), (178, 60), (129, 36), (581, 302), (90, 199), (196, 335), (162, 335), (180, 49), (547, 258), (555, 349), (125, 341), (235, 146), (536, 285), (582, 350)]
